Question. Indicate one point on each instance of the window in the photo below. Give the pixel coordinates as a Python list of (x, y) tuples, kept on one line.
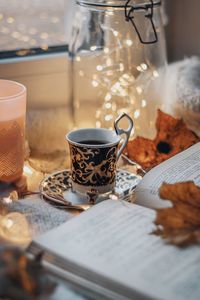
[(28, 30), (30, 27)]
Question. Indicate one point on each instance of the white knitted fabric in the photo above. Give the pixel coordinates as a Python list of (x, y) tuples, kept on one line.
[(188, 85), (180, 92)]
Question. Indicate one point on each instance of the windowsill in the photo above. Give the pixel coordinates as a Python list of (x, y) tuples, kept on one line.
[(47, 78)]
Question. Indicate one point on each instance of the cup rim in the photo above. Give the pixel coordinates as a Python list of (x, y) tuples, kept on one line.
[(109, 144), (7, 98)]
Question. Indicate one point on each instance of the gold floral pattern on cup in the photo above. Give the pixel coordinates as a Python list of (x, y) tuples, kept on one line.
[(93, 167)]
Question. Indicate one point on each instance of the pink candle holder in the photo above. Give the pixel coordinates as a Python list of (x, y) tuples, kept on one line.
[(12, 130)]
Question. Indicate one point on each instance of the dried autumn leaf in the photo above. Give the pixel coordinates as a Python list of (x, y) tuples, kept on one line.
[(180, 237), (171, 218), (186, 192), (180, 224), (189, 212), (142, 151), (174, 132), (172, 137)]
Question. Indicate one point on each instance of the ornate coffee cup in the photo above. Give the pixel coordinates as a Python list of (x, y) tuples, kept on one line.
[(94, 154)]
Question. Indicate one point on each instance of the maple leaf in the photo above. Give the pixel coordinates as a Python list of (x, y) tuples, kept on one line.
[(180, 224), (172, 137)]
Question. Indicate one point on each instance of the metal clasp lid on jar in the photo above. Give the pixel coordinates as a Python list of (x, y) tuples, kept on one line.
[(130, 9)]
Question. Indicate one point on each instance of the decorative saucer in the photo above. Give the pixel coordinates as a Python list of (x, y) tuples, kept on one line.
[(57, 188)]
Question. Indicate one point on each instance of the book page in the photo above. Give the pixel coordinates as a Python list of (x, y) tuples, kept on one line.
[(112, 240), (184, 166)]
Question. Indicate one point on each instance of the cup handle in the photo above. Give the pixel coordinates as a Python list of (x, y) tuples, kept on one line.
[(120, 131)]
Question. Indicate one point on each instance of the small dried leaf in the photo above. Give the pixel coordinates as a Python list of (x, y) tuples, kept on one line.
[(21, 185)]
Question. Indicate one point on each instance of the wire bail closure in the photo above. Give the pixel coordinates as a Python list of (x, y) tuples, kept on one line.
[(129, 16)]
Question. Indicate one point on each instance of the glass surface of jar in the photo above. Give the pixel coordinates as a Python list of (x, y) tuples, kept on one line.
[(118, 56)]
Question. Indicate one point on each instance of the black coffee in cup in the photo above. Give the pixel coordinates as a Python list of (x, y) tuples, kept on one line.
[(93, 142)]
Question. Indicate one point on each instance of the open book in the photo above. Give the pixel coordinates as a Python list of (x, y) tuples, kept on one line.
[(110, 250)]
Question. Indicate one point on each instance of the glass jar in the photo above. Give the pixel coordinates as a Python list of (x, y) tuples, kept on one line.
[(118, 56)]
